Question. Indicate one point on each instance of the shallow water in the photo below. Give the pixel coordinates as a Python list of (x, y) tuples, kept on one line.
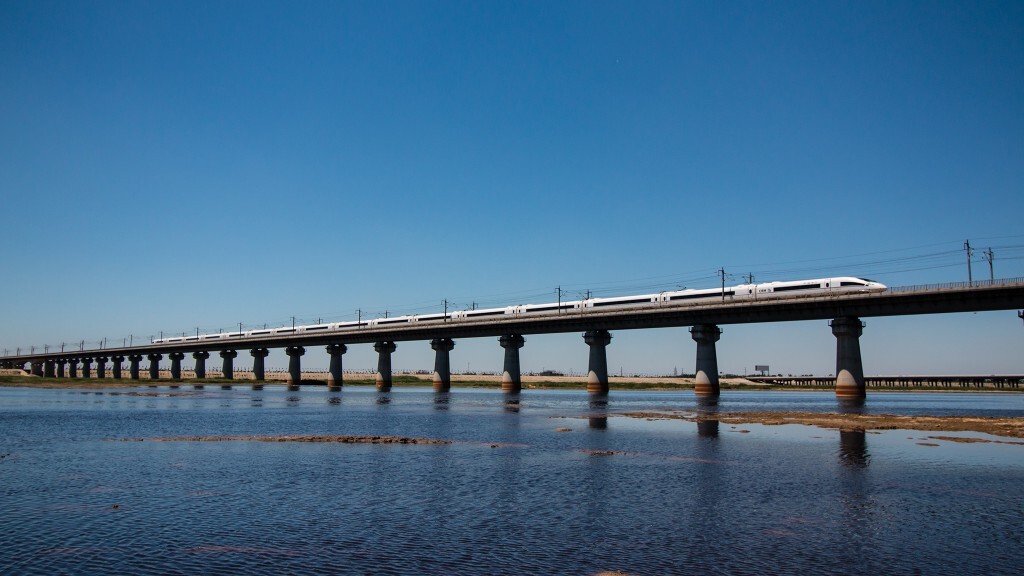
[(512, 495)]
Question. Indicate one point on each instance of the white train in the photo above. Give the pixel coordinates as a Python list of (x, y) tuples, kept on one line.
[(764, 291)]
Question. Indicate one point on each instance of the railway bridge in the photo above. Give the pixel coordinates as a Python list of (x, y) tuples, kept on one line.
[(844, 311)]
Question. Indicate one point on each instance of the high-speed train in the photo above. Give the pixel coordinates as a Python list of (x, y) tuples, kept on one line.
[(741, 292)]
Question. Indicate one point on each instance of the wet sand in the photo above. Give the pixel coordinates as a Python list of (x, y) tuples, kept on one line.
[(1011, 427), (331, 439)]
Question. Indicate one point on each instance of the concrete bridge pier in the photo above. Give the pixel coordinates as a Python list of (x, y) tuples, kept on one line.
[(442, 363), (200, 358), (849, 367), (101, 367), (72, 367), (706, 382), (176, 358), (597, 374), (154, 366), (37, 368), (259, 356), (336, 376), (86, 367), (116, 368), (383, 379), (294, 364), (228, 363), (60, 367), (511, 379), (133, 365), (49, 369)]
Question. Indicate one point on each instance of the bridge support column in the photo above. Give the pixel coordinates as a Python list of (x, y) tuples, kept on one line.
[(200, 368), (336, 376), (154, 366), (48, 369), (116, 368), (86, 367), (258, 369), (706, 382), (72, 367), (442, 377), (383, 379), (60, 367), (133, 365), (176, 358), (37, 368), (849, 367), (101, 367), (511, 379), (597, 374), (294, 364), (228, 364)]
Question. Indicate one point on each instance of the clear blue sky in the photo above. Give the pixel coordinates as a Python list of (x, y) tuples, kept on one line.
[(168, 165)]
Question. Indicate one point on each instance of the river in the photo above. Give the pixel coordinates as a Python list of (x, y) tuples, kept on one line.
[(548, 483)]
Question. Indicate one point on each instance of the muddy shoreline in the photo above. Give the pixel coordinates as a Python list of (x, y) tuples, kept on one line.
[(1009, 427), (463, 380)]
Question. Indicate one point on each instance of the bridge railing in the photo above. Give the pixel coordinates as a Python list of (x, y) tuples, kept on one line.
[(948, 285)]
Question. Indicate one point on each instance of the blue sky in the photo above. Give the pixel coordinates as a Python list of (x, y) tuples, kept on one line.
[(171, 165)]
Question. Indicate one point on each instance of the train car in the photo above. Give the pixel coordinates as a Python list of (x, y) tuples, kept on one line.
[(390, 321), (430, 317), (621, 301), (483, 313), (550, 308)]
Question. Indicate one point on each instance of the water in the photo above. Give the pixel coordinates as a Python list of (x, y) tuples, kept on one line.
[(512, 495)]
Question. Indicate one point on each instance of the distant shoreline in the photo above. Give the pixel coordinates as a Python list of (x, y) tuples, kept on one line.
[(16, 378)]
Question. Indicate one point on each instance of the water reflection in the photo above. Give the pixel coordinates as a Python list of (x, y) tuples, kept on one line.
[(853, 449), (598, 418), (512, 403), (851, 405), (383, 398), (707, 426), (441, 400), (293, 400), (257, 387), (334, 400)]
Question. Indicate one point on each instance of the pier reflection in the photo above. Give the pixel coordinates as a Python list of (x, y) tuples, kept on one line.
[(851, 405), (512, 403), (442, 400), (383, 398), (707, 425), (853, 449), (598, 417)]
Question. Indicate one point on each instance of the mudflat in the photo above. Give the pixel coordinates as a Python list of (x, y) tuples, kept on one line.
[(1011, 427)]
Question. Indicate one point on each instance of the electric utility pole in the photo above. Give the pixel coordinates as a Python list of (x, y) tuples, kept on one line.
[(721, 272), (967, 248), (989, 257)]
